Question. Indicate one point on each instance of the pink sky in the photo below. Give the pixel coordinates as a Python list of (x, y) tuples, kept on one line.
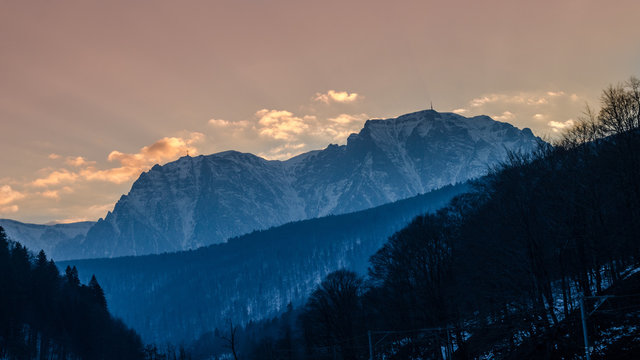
[(93, 92)]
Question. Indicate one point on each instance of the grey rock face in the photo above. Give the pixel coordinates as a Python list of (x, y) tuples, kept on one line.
[(204, 200)]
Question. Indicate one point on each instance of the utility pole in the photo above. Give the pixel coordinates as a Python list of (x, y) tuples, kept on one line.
[(584, 329), (370, 347)]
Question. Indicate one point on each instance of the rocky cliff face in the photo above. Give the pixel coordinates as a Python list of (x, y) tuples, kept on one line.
[(203, 200)]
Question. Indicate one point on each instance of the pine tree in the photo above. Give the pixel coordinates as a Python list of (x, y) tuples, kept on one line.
[(97, 292), (71, 275)]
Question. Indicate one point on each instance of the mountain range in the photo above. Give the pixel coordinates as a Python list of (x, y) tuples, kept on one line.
[(198, 201), (204, 200)]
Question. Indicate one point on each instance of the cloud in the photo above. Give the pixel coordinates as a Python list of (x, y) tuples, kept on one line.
[(345, 119), (509, 99), (484, 100), (337, 129), (53, 156), (281, 124), (532, 109), (523, 98), (460, 111), (283, 152), (9, 209), (131, 165), (9, 195), (342, 97), (56, 177), (283, 131), (78, 161), (51, 194), (556, 126), (228, 124), (506, 116)]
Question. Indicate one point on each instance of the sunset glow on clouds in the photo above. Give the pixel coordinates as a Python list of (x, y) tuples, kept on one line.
[(282, 124), (129, 165), (343, 97), (274, 78), (527, 109), (56, 184), (7, 198), (284, 133), (287, 135)]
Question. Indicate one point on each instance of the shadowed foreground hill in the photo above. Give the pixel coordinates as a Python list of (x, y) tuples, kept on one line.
[(502, 271), (181, 295), (46, 316)]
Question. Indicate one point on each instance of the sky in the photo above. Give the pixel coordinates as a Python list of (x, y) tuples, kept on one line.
[(92, 93)]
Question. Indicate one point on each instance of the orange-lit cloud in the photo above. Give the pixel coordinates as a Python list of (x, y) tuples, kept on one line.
[(55, 194), (9, 209), (342, 97), (282, 124), (7, 197), (56, 177), (131, 165), (505, 116), (283, 134), (78, 161), (337, 129), (51, 194)]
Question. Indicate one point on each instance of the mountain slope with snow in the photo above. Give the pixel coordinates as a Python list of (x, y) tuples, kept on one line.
[(59, 241), (197, 201)]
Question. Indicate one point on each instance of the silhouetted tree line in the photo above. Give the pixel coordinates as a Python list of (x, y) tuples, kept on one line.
[(44, 315), (504, 262)]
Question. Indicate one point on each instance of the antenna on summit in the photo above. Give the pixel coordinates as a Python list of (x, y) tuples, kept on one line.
[(432, 106)]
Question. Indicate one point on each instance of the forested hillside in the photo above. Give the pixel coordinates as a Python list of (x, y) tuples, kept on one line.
[(47, 316), (179, 296), (502, 267)]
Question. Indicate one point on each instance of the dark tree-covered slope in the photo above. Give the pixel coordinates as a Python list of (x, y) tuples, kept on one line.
[(47, 316), (501, 272), (179, 296)]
